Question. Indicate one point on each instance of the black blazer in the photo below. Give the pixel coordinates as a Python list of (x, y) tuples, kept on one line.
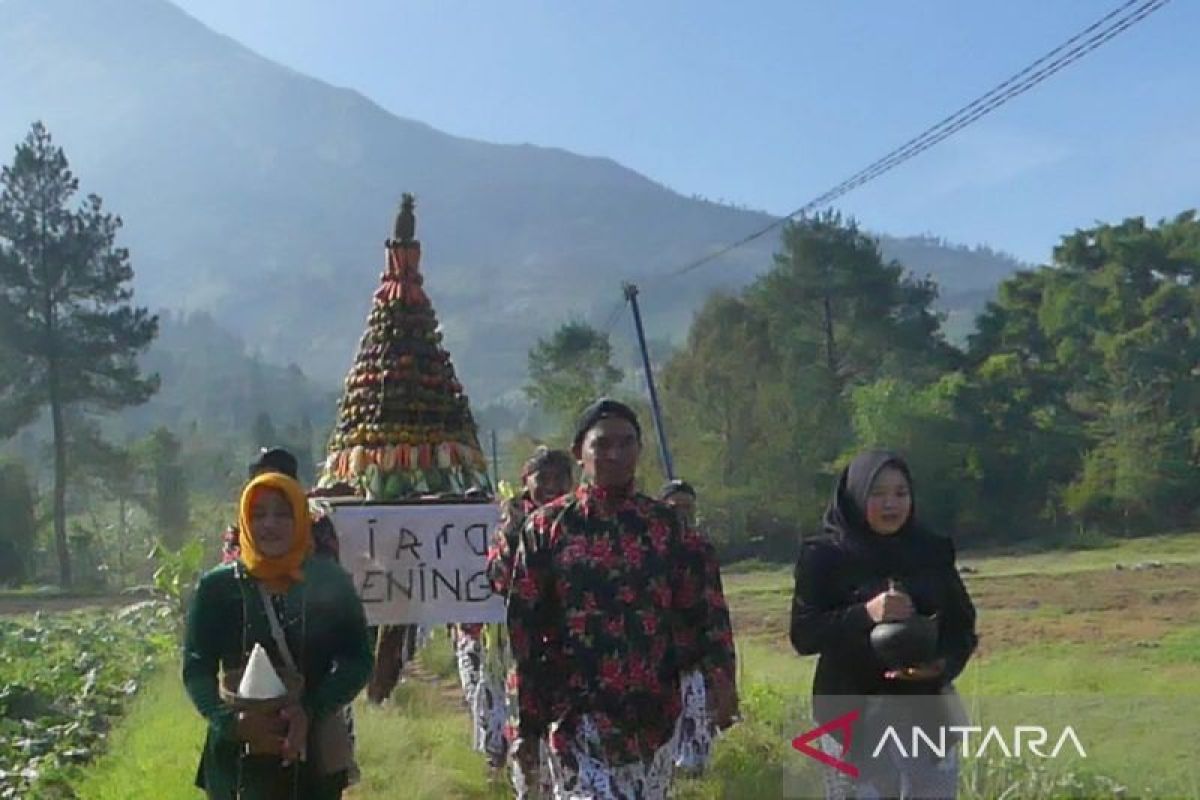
[(834, 581)]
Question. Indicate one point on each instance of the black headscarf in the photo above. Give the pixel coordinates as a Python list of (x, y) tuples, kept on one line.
[(846, 518)]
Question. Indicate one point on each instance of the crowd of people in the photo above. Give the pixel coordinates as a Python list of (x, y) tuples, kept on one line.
[(616, 670)]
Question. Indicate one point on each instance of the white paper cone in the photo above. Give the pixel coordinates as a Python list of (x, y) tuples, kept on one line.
[(260, 681)]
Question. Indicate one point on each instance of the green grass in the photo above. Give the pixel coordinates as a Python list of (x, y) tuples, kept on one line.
[(1178, 647), (154, 752), (416, 746), (1169, 549), (1145, 688), (756, 577), (1147, 691)]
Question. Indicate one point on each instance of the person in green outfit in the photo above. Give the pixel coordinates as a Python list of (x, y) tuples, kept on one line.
[(306, 615)]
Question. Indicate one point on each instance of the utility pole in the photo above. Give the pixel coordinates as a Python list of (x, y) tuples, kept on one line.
[(495, 463), (631, 294)]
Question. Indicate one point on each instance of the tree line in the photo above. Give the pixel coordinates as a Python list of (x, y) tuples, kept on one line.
[(1071, 411), (75, 349)]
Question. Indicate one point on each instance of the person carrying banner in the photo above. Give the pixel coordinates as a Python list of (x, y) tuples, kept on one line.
[(609, 607), (546, 475), (306, 615)]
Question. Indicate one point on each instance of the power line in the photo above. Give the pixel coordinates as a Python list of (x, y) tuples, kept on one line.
[(1090, 38), (614, 316)]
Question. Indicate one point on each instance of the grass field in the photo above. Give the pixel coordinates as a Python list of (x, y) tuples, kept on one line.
[(1116, 647)]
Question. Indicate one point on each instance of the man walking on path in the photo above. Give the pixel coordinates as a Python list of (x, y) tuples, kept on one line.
[(611, 604), (696, 731), (546, 475)]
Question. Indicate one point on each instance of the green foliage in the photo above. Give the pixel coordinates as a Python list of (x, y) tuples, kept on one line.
[(1073, 407), (64, 290), (263, 431), (70, 333), (63, 679), (761, 399), (170, 497), (832, 300), (18, 527), (177, 571), (1087, 369), (152, 753), (989, 778), (570, 369)]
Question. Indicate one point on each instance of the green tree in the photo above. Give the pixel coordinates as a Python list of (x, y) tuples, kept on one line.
[(926, 424), (569, 369), (1084, 379), (711, 385), (111, 472), (716, 390), (66, 315), (833, 301), (839, 316), (169, 501), (300, 442), (264, 432), (18, 526), (761, 396)]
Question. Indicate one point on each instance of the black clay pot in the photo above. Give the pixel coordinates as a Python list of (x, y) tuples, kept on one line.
[(907, 643)]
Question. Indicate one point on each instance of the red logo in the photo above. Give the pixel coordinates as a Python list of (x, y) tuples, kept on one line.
[(846, 724)]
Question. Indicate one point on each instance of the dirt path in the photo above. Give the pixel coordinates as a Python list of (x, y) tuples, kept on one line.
[(16, 605), (448, 690)]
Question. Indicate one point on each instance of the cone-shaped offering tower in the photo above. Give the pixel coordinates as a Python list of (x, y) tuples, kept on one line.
[(404, 427)]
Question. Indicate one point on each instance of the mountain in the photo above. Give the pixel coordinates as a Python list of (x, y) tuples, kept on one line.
[(262, 197), (210, 382)]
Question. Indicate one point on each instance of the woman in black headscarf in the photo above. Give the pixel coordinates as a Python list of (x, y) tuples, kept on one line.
[(876, 564)]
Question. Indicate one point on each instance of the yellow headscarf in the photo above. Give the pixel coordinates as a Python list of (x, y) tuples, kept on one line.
[(280, 572)]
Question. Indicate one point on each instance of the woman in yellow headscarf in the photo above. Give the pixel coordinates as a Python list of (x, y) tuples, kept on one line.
[(305, 614)]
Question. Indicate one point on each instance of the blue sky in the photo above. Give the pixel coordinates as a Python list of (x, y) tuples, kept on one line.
[(766, 104)]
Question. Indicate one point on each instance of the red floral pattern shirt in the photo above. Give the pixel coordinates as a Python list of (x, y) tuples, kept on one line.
[(610, 602), (503, 547)]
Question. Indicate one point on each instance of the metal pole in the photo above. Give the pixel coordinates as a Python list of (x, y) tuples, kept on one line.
[(495, 462), (631, 294)]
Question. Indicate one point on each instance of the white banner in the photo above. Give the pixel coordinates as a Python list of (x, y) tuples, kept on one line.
[(420, 564)]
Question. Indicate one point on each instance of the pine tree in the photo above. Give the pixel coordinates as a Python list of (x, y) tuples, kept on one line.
[(263, 431), (71, 333), (169, 502), (17, 531)]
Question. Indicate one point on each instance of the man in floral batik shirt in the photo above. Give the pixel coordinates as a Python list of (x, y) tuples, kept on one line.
[(610, 605)]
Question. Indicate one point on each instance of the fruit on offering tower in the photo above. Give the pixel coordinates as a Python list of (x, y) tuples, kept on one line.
[(404, 426)]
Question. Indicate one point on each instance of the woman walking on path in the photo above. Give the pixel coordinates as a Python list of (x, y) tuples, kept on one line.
[(306, 616), (875, 565)]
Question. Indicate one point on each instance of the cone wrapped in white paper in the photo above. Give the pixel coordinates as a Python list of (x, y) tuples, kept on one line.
[(260, 681)]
